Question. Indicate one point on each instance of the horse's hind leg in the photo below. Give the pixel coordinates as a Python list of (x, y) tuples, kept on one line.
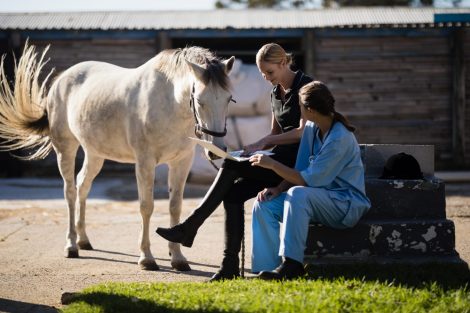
[(178, 173), (66, 153), (145, 173), (91, 167)]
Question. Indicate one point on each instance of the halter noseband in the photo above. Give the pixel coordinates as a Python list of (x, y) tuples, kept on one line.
[(198, 128)]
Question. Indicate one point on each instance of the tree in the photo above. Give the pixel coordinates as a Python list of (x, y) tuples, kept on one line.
[(347, 3), (305, 3), (221, 4)]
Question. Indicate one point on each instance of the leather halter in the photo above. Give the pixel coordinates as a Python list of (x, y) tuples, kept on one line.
[(198, 128)]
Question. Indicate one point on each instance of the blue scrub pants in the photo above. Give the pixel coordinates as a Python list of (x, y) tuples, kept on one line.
[(280, 225)]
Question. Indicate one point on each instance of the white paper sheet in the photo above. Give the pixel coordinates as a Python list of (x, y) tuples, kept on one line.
[(232, 155)]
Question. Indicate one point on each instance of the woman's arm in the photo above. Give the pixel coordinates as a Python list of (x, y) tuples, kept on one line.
[(289, 174), (262, 144), (276, 137), (292, 136)]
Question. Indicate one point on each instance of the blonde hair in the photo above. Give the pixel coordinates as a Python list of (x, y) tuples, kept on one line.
[(273, 53)]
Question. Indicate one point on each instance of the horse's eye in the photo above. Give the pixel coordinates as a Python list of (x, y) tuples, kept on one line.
[(232, 100)]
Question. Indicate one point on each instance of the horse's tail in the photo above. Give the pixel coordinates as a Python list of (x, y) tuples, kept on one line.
[(23, 117)]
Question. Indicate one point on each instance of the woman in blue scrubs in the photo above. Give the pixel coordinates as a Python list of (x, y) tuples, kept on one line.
[(326, 186)]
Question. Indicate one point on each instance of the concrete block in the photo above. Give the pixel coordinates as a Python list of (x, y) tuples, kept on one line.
[(374, 157), (450, 270), (406, 199), (383, 238)]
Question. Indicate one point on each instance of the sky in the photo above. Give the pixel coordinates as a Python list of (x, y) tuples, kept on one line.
[(130, 5), (102, 5)]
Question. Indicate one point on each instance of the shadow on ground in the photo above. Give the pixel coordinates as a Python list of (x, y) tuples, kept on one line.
[(127, 191), (13, 306), (111, 303)]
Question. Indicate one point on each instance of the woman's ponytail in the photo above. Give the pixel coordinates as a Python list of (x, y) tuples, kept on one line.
[(341, 118)]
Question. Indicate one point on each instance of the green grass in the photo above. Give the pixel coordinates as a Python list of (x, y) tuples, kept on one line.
[(318, 295)]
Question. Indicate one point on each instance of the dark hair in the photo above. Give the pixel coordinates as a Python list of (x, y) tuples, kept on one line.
[(315, 95)]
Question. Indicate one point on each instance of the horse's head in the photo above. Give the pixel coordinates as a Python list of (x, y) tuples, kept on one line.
[(210, 96)]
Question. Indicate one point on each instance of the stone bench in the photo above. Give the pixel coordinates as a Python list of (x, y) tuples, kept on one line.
[(407, 219)]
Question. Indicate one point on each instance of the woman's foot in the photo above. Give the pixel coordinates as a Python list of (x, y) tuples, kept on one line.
[(229, 269), (177, 233), (224, 275), (289, 269)]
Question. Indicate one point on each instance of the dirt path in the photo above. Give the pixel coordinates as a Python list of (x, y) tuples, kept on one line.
[(34, 273)]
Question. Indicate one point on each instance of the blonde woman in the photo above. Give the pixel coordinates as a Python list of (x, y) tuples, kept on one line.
[(237, 182)]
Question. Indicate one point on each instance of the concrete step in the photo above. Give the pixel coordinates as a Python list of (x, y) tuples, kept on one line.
[(383, 238), (406, 199), (449, 271), (454, 176), (374, 157)]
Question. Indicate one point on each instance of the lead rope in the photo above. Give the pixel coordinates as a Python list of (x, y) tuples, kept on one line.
[(212, 163), (242, 270)]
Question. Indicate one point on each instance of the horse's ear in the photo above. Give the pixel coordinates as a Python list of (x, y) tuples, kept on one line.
[(229, 64), (197, 70)]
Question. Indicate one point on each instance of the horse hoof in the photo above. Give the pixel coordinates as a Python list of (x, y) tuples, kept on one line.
[(71, 254), (181, 266), (85, 245), (149, 266)]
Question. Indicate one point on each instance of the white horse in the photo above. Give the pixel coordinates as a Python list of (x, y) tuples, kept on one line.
[(142, 115)]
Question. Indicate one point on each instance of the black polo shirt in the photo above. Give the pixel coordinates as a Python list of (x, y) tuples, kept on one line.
[(287, 115)]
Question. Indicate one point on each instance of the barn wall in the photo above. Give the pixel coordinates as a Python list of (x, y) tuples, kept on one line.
[(395, 86), (466, 45), (125, 53)]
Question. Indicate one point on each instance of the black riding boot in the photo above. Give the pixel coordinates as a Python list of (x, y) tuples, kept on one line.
[(185, 232), (234, 230)]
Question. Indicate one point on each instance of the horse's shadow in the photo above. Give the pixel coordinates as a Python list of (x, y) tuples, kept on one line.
[(162, 267), (115, 252)]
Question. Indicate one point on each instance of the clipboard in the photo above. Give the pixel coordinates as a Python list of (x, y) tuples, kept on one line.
[(232, 155)]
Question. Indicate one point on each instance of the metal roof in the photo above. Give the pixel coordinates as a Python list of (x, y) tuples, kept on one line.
[(236, 19)]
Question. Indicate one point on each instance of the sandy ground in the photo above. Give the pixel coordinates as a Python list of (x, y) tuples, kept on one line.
[(34, 273)]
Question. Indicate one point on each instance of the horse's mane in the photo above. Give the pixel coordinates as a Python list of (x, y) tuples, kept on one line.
[(172, 64)]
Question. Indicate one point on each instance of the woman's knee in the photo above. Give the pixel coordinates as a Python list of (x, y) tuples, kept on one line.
[(299, 201), (298, 194), (260, 209), (256, 207)]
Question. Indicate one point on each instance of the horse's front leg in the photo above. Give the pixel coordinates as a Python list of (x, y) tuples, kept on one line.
[(178, 173), (145, 173)]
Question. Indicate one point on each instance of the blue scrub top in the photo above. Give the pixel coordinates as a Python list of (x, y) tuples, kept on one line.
[(335, 165)]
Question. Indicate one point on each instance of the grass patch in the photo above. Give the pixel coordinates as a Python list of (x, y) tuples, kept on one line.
[(328, 288), (320, 295)]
